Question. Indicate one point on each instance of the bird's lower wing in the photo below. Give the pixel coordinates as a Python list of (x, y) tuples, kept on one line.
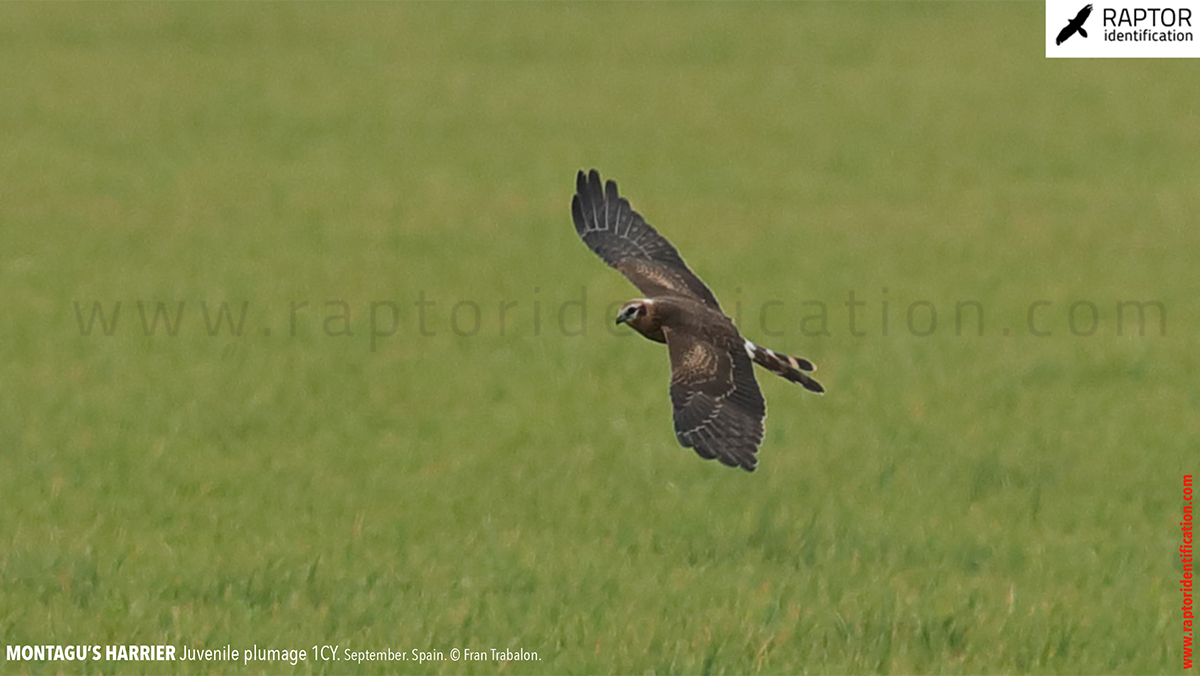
[(718, 407)]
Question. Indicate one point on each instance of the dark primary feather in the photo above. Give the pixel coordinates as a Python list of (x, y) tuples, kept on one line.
[(619, 235)]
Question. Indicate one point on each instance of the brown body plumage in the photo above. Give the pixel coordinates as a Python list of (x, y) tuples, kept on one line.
[(719, 409)]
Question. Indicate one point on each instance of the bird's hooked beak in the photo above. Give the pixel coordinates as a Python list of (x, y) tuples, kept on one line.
[(621, 319)]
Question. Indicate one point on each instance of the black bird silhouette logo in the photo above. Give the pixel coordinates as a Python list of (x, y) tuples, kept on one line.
[(1074, 26)]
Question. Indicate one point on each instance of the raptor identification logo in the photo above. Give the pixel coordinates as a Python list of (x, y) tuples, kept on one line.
[(1122, 29)]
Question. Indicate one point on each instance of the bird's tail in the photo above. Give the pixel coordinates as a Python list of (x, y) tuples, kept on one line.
[(793, 369)]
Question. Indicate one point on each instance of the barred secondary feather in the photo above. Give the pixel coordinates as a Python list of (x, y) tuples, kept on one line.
[(718, 408)]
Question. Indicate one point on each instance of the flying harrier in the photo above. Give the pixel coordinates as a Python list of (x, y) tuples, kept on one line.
[(719, 409), (1073, 25)]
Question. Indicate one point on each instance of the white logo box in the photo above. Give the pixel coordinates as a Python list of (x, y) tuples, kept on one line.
[(1123, 29)]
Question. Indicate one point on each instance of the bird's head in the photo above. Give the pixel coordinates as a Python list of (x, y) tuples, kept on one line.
[(633, 310)]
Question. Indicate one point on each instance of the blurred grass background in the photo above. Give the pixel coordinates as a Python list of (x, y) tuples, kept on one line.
[(1004, 503)]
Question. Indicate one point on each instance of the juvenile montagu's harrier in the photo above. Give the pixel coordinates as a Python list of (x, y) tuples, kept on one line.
[(719, 409)]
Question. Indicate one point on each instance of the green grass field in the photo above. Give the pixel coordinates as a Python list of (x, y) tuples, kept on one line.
[(996, 503)]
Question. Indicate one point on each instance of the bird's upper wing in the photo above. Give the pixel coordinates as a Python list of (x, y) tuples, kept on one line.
[(619, 235), (1082, 15), (719, 409)]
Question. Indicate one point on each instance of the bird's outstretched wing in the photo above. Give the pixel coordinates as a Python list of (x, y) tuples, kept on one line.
[(719, 409), (1082, 15), (619, 235)]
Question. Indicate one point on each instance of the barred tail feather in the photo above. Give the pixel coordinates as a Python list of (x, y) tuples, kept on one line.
[(792, 369)]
